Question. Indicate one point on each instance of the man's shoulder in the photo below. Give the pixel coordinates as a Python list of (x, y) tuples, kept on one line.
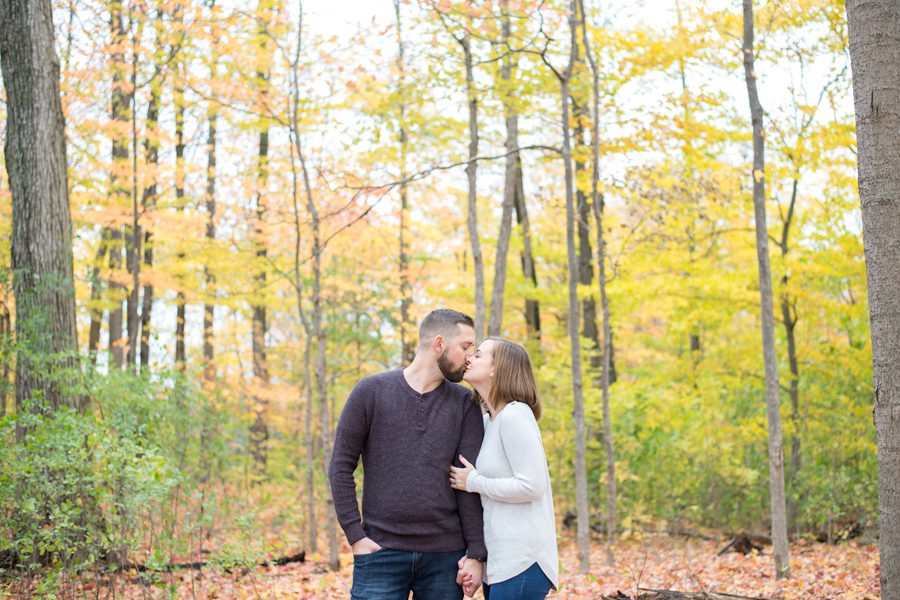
[(378, 381), (458, 392)]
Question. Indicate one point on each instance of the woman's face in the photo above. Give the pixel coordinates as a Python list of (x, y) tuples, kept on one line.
[(480, 366)]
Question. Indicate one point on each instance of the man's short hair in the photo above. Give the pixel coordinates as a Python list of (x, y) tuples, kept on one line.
[(444, 322)]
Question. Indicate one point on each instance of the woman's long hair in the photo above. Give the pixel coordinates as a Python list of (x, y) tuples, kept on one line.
[(513, 379)]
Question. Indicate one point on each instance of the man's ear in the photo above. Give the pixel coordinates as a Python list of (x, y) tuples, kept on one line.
[(438, 343)]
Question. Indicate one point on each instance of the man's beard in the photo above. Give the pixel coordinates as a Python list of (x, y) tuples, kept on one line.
[(447, 369)]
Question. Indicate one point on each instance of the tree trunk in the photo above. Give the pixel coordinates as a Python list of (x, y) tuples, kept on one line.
[(472, 175), (585, 253), (875, 62), (259, 430), (149, 197), (789, 318), (773, 404), (511, 119), (581, 492), (133, 235), (35, 153), (6, 355), (121, 100), (606, 358), (180, 299), (532, 306), (95, 307), (209, 307), (297, 156), (407, 327)]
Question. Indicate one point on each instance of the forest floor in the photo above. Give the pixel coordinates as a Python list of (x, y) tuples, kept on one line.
[(848, 571)]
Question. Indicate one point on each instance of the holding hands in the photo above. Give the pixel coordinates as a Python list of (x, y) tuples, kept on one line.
[(469, 575), (459, 475)]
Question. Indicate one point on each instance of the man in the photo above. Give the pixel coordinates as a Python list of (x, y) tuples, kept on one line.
[(409, 425)]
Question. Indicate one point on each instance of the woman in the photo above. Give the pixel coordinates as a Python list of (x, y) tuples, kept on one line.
[(511, 475)]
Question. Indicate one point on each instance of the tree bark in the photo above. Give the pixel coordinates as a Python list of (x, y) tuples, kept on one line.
[(581, 492), (95, 306), (510, 183), (407, 327), (585, 253), (532, 306), (789, 319), (149, 197), (773, 403), (472, 176), (259, 430), (6, 355), (875, 62), (121, 100), (606, 356), (180, 298), (35, 154), (209, 307)]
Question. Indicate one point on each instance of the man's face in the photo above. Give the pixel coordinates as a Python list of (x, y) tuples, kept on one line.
[(452, 361)]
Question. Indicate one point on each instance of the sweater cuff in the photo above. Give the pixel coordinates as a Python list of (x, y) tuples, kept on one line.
[(471, 482), (354, 533), (477, 552)]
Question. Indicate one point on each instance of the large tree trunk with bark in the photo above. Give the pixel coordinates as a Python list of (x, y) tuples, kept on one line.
[(875, 61), (767, 321), (42, 262)]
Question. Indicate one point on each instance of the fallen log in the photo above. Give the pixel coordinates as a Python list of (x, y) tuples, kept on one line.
[(673, 595), (278, 562)]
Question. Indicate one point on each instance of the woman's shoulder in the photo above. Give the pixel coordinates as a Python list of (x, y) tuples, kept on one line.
[(517, 411)]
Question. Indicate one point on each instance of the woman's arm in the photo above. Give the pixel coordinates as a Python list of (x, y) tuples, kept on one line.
[(521, 442)]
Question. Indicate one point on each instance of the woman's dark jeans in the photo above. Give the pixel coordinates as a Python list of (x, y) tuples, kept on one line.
[(530, 584)]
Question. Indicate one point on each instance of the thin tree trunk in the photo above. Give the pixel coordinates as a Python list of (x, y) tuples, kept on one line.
[(35, 154), (789, 318), (581, 490), (133, 236), (511, 119), (209, 307), (6, 354), (259, 430), (180, 299), (310, 467), (773, 404), (407, 327), (585, 253), (472, 176), (121, 100), (95, 307), (606, 358), (875, 62), (148, 200), (334, 562), (532, 306)]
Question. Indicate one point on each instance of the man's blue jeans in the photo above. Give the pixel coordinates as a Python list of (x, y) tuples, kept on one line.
[(391, 574)]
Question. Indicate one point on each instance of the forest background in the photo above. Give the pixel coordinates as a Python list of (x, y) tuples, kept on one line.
[(263, 210)]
